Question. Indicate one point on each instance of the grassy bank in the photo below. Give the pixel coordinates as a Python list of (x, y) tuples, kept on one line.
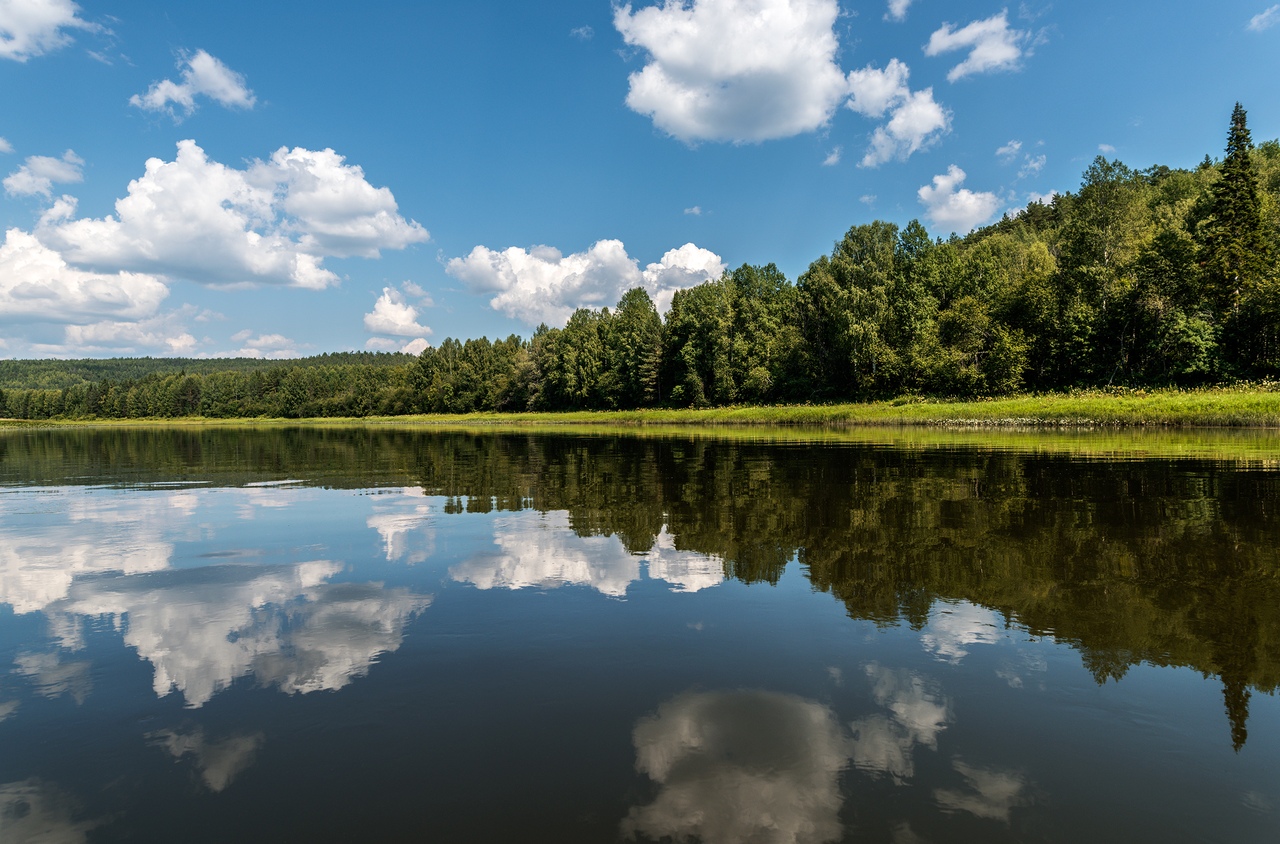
[(1228, 407)]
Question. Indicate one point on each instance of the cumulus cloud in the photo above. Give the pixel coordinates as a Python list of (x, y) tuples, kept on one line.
[(5, 146), (39, 173), (952, 208), (1265, 20), (832, 159), (392, 314), (897, 10), (164, 332), (36, 284), (273, 222), (1106, 149), (543, 285), (30, 28), (202, 75), (915, 122), (992, 46), (734, 70), (741, 766)]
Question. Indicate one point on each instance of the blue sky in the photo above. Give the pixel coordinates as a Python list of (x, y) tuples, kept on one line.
[(289, 178)]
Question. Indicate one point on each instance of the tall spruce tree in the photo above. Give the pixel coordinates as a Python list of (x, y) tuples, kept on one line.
[(1233, 242)]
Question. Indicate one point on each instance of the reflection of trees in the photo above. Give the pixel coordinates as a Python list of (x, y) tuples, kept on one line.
[(1165, 562), (1159, 561)]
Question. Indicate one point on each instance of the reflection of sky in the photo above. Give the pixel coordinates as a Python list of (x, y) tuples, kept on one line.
[(540, 550), (50, 537), (217, 762), (284, 625), (34, 811), (885, 743), (741, 766), (955, 627), (404, 523)]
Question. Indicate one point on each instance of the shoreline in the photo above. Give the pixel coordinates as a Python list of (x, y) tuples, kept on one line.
[(1227, 407)]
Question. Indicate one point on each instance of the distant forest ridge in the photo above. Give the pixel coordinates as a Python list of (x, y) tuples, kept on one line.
[(1147, 278)]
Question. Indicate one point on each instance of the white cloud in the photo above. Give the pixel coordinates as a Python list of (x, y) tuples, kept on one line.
[(1009, 151), (36, 284), (583, 33), (741, 766), (992, 46), (897, 10), (543, 285), (392, 314), (916, 120), (868, 199), (873, 91), (202, 75), (953, 208), (39, 173), (1106, 149), (915, 125), (200, 220), (832, 159), (264, 346), (165, 333), (694, 211), (1032, 165), (1265, 20), (415, 346), (5, 146), (31, 28), (735, 70)]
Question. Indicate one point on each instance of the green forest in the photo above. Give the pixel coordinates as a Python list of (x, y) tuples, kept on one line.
[(1144, 278)]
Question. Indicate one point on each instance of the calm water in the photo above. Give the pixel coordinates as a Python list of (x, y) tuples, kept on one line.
[(292, 635)]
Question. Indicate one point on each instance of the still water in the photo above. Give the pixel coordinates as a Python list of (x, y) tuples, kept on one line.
[(396, 635)]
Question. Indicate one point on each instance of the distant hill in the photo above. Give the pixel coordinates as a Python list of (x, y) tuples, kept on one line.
[(62, 374)]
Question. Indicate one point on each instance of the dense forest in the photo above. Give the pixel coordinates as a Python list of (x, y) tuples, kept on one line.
[(1156, 277)]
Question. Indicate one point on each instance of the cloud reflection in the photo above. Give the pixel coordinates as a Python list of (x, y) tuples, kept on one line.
[(541, 550), (404, 526), (741, 766), (988, 793), (886, 744), (955, 627), (33, 811), (219, 762), (285, 626)]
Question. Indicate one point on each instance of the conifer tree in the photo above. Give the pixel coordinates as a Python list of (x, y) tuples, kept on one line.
[(1234, 246)]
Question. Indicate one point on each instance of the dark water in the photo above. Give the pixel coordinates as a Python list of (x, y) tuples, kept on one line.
[(293, 635)]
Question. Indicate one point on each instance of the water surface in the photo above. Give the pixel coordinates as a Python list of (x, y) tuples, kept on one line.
[(332, 634)]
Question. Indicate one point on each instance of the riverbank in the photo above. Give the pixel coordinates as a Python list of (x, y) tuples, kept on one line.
[(1227, 407)]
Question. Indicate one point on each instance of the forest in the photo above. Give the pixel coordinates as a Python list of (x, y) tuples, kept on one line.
[(1145, 278)]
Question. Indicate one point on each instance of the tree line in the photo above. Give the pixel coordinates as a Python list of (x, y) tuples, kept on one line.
[(1156, 277)]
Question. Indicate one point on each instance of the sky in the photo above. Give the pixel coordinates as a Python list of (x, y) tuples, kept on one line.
[(283, 179)]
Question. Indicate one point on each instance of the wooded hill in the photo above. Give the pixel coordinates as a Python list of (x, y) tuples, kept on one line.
[(1158, 277)]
